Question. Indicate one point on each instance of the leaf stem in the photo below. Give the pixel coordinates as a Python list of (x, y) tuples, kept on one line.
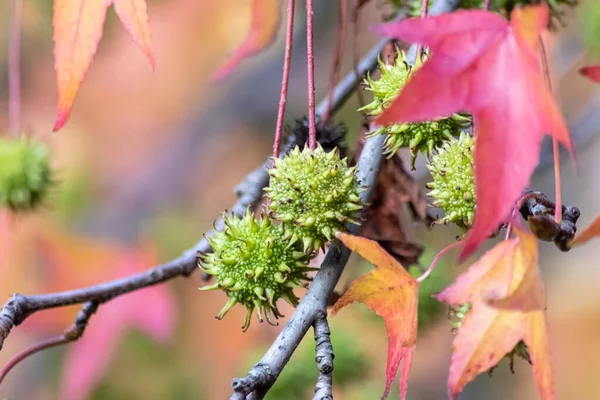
[(289, 36), (310, 63), (424, 8), (558, 200), (339, 51), (14, 72), (435, 260)]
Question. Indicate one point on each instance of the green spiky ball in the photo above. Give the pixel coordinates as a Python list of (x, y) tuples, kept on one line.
[(25, 174), (254, 266), (423, 137), (314, 194), (453, 186)]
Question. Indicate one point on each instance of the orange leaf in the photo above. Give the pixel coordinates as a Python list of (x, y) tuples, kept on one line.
[(590, 232), (263, 29), (508, 302), (77, 31), (392, 293), (134, 17)]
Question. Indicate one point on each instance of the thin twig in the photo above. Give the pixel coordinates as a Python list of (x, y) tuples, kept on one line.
[(310, 64), (424, 8), (287, 61), (73, 333), (355, 16), (435, 260), (558, 200), (14, 69), (339, 51), (324, 358)]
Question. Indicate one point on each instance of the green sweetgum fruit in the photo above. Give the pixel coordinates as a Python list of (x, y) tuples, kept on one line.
[(25, 174), (453, 186), (255, 266), (314, 194)]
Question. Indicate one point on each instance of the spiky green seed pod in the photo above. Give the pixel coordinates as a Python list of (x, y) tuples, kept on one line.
[(25, 173), (453, 186), (255, 266), (314, 194), (423, 137)]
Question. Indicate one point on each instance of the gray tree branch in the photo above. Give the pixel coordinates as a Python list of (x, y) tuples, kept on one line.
[(324, 358)]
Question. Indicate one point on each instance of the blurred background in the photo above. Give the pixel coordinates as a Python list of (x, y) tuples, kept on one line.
[(148, 160)]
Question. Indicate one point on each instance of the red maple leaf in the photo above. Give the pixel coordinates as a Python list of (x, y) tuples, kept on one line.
[(485, 65), (507, 295), (592, 72)]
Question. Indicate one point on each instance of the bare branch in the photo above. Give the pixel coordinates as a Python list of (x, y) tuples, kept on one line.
[(73, 333), (324, 358)]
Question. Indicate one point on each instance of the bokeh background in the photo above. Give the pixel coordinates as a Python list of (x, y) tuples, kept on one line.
[(149, 159)]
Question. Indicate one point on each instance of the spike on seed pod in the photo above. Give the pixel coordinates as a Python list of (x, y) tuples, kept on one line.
[(25, 174), (327, 196), (418, 137), (453, 187), (266, 267)]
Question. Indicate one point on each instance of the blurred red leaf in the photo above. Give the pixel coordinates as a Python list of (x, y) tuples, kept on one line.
[(263, 29), (78, 28), (588, 233), (392, 293), (592, 72), (483, 64), (506, 291), (71, 260)]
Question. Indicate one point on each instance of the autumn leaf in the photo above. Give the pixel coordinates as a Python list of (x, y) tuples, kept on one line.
[(589, 233), (591, 72), (263, 29), (392, 293), (78, 26), (506, 291), (70, 262), (485, 65)]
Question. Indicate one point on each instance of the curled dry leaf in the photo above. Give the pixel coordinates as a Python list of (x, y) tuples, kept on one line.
[(485, 65), (392, 293), (506, 291), (395, 189)]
